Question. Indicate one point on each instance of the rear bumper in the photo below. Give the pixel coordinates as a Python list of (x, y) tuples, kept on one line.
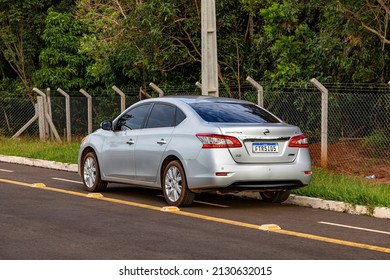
[(217, 170)]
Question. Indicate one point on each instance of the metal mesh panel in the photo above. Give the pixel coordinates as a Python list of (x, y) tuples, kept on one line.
[(15, 113), (106, 106), (358, 122), (359, 129)]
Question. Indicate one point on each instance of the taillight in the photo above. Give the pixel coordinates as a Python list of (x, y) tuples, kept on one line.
[(299, 141), (218, 141)]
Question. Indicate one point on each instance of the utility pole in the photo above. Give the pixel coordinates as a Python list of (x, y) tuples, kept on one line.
[(209, 48)]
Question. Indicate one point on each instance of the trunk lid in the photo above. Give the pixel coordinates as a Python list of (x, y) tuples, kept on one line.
[(262, 143)]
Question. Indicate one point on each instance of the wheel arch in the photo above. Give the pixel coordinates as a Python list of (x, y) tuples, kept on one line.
[(164, 164), (83, 153), (183, 196)]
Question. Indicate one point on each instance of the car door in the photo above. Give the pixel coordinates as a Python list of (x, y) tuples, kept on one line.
[(118, 159), (153, 141)]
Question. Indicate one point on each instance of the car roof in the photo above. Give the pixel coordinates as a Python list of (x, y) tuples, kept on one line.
[(200, 99)]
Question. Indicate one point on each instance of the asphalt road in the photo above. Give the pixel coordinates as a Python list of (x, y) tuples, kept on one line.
[(47, 215)]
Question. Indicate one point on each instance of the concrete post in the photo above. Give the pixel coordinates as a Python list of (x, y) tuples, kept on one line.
[(43, 122), (209, 48), (157, 89), (89, 100), (123, 97), (67, 112), (41, 118), (260, 91), (324, 121)]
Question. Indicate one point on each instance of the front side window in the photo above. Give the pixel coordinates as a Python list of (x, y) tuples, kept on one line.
[(133, 118), (226, 112)]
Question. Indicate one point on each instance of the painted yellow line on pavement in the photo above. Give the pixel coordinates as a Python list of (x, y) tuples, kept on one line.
[(218, 220), (82, 194), (16, 183), (269, 228), (333, 240)]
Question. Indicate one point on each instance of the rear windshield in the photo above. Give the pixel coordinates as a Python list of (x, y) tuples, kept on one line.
[(223, 112)]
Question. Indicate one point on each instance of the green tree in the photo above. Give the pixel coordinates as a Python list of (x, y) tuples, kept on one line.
[(318, 39), (61, 64), (371, 34), (21, 25), (143, 41), (292, 30), (160, 41)]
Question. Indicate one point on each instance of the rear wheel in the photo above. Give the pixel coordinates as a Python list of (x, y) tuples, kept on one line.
[(174, 185), (91, 173), (275, 196)]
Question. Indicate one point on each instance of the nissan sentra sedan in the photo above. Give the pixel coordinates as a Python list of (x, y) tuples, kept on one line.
[(190, 145)]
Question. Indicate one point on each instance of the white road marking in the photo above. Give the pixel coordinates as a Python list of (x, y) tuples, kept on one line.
[(207, 203), (352, 227), (212, 204), (66, 180), (6, 170)]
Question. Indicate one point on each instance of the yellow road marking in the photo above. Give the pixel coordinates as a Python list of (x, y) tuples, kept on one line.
[(334, 241), (270, 228)]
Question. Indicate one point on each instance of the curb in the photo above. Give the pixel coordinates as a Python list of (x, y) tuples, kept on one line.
[(336, 206), (317, 203), (40, 163)]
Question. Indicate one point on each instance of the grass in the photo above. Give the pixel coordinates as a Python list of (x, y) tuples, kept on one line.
[(339, 187), (325, 185), (32, 148)]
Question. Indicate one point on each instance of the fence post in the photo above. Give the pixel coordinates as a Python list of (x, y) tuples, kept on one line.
[(53, 128), (43, 121), (49, 111), (157, 89), (123, 97), (198, 84), (324, 121), (41, 118), (260, 91), (67, 112), (89, 99), (143, 92)]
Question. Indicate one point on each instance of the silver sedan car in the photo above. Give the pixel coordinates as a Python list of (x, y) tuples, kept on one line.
[(188, 145)]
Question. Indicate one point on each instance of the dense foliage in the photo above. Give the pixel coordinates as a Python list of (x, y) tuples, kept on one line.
[(130, 43)]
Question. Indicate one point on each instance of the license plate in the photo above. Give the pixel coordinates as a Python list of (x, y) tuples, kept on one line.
[(265, 147)]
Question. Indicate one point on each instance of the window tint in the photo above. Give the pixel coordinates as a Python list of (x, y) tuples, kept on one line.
[(180, 116), (134, 118), (162, 115), (224, 112)]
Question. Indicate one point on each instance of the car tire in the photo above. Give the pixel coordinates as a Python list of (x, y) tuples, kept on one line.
[(90, 172), (275, 196), (174, 185)]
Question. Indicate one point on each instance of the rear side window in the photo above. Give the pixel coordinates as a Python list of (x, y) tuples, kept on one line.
[(224, 112), (162, 115), (180, 116)]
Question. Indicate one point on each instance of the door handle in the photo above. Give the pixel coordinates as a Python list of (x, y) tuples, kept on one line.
[(161, 142), (130, 142)]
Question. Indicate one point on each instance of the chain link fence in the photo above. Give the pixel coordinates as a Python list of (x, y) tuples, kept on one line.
[(358, 118)]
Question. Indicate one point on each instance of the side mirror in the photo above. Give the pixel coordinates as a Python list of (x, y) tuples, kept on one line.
[(106, 125)]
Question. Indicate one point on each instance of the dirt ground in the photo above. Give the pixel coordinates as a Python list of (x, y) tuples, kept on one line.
[(353, 159)]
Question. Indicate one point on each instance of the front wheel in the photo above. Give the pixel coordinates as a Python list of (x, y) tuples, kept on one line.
[(275, 196), (91, 173), (174, 185)]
